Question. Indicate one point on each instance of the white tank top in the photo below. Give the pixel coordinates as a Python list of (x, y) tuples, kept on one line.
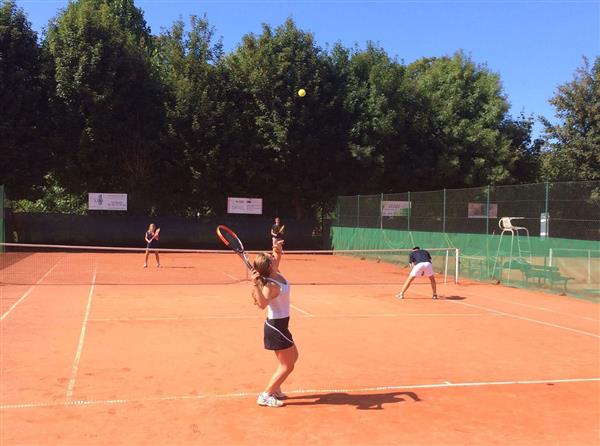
[(279, 307)]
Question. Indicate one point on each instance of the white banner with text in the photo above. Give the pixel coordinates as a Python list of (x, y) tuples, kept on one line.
[(107, 202), (236, 205)]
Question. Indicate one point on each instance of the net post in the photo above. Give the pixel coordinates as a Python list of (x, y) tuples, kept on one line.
[(550, 257), (446, 267), (589, 266), (457, 256)]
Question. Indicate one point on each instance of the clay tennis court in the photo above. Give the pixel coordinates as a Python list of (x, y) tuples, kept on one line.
[(98, 350)]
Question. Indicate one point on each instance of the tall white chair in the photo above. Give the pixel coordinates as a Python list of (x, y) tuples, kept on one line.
[(506, 225)]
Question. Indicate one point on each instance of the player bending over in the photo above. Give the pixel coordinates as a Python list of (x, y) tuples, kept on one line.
[(420, 261)]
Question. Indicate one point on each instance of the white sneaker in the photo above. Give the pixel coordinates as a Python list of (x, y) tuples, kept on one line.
[(400, 295), (145, 265), (279, 395), (435, 296), (158, 265), (264, 399)]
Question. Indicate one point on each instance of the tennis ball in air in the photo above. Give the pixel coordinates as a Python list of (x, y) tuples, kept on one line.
[(302, 92)]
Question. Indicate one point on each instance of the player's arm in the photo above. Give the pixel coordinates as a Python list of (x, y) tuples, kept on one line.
[(263, 294), (278, 253)]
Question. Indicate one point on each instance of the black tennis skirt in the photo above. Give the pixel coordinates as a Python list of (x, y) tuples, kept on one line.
[(277, 335)]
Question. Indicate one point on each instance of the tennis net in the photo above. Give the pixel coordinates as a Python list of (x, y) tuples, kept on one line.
[(28, 264)]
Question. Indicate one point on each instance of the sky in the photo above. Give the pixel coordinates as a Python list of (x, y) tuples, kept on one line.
[(534, 45)]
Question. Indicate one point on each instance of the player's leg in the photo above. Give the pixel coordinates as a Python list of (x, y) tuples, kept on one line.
[(409, 280), (157, 258), (146, 259), (278, 392), (287, 359), (433, 286)]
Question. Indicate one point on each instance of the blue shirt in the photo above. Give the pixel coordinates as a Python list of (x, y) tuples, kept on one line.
[(419, 256)]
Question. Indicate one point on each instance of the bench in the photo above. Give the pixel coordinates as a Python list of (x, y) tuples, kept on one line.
[(543, 274)]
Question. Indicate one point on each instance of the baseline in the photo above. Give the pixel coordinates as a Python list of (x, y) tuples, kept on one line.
[(445, 384)]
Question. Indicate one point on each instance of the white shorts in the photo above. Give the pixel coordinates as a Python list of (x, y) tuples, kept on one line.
[(422, 269)]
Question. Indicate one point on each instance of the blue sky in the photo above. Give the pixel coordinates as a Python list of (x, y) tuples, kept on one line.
[(535, 45)]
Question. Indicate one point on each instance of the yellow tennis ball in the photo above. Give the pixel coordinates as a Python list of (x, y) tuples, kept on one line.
[(302, 92)]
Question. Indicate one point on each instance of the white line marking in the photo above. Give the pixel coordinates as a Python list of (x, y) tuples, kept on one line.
[(445, 384), (389, 315), (232, 277), (175, 318), (71, 386), (28, 292), (543, 309), (300, 310), (515, 316), (307, 315)]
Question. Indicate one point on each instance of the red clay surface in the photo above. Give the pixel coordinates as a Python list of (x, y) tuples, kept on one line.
[(127, 356)]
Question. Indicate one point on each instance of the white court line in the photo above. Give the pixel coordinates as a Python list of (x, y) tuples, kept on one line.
[(28, 292), (71, 386), (301, 310), (390, 315), (307, 315), (542, 309), (445, 384), (233, 277), (174, 318), (523, 318)]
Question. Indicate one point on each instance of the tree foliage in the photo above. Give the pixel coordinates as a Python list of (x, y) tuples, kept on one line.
[(103, 105), (23, 109), (573, 144), (111, 98)]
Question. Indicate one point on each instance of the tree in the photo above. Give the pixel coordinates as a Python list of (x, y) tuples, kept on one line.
[(198, 112), (111, 99), (462, 110), (573, 143), (524, 162), (375, 103), (294, 148), (23, 114)]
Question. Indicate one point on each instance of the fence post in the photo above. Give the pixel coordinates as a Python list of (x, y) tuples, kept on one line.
[(358, 211), (381, 212), (487, 210), (409, 210), (444, 211), (546, 211)]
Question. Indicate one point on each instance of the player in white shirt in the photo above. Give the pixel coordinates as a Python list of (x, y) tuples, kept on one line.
[(272, 291)]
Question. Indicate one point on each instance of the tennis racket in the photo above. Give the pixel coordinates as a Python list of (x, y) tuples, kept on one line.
[(282, 229), (232, 241), (154, 237)]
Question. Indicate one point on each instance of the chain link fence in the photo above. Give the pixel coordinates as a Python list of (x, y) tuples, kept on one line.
[(562, 210), (544, 235)]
